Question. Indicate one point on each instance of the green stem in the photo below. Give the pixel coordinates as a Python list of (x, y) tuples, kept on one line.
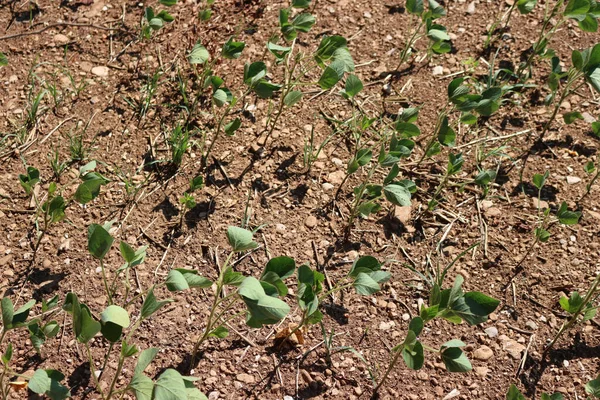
[(93, 370), (110, 347), (409, 43), (359, 196), (573, 320), (210, 320), (117, 374), (433, 137), (387, 372), (217, 132), (108, 293)]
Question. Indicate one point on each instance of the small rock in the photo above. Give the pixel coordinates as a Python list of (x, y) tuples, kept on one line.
[(540, 203), (454, 393), (513, 348), (481, 371), (64, 245), (492, 331), (327, 186), (531, 325), (486, 204), (493, 212), (566, 105), (100, 71), (4, 261), (572, 180), (336, 177), (587, 117), (384, 326), (483, 353), (403, 214), (59, 38), (310, 221), (214, 395), (245, 378), (437, 70), (471, 8), (46, 263)]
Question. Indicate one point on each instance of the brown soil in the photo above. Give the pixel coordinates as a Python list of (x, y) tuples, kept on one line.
[(280, 196)]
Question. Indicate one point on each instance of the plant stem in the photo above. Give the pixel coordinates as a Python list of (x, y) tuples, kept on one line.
[(117, 374), (110, 347), (589, 185), (573, 319), (433, 137), (409, 44), (358, 198), (217, 132), (93, 370), (387, 372), (108, 293), (210, 320)]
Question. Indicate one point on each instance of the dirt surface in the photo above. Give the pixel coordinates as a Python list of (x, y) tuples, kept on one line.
[(271, 188)]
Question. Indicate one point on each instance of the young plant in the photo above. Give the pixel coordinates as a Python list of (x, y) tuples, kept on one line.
[(179, 143), (114, 319), (470, 105), (580, 309), (545, 221), (423, 25), (311, 152), (494, 32), (205, 14), (261, 297), (585, 69), (515, 394), (365, 277), (455, 163), (453, 305), (154, 21), (593, 172), (222, 100), (40, 329), (585, 12), (187, 200), (57, 166)]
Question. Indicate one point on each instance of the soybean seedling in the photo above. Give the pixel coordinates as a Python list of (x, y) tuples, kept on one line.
[(187, 200), (585, 12), (453, 305), (455, 163), (365, 276), (40, 328), (114, 319), (580, 309), (154, 20), (494, 32), (545, 220), (259, 296), (423, 25), (514, 394), (593, 388), (222, 100), (593, 172)]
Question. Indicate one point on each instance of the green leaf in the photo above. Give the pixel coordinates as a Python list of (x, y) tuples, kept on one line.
[(193, 279), (3, 60), (198, 55), (526, 6), (142, 386), (232, 126), (265, 89), (412, 351), (416, 325), (577, 8), (116, 315), (572, 116), (588, 24), (263, 309), (292, 98), (151, 304), (332, 75), (593, 387), (485, 177), (278, 51), (165, 16), (219, 97), (455, 162), (397, 194), (219, 332), (366, 264), (353, 85), (514, 393), (21, 314), (283, 266), (176, 282), (89, 326), (567, 217), (170, 386), (365, 285), (8, 311), (156, 23), (572, 304), (407, 130), (29, 181), (328, 46), (232, 50), (303, 22), (168, 3), (99, 241), (301, 3), (455, 360), (446, 135), (539, 180), (205, 14), (7, 356), (414, 6), (145, 358), (47, 382), (362, 158), (542, 234), (240, 239)]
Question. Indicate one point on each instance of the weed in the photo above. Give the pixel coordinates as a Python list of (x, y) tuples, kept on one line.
[(154, 21), (57, 166), (179, 144), (187, 200)]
